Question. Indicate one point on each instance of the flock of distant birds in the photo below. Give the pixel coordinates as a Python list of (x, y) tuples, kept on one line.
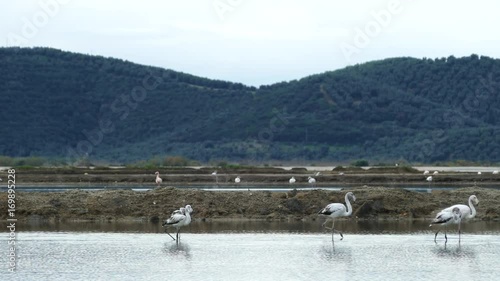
[(455, 214), (310, 179), (430, 178)]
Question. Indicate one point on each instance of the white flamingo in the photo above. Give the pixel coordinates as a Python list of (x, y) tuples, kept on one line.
[(445, 218), (178, 219), (426, 172), (237, 179), (312, 181), (468, 212), (158, 179), (292, 180), (214, 173), (429, 179), (335, 210)]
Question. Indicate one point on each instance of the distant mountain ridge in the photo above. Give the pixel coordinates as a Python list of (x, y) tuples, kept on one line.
[(62, 104)]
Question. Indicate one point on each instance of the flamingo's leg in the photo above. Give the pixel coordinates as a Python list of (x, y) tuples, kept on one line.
[(436, 236)]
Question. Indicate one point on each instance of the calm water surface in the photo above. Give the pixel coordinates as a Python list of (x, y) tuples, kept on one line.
[(253, 251)]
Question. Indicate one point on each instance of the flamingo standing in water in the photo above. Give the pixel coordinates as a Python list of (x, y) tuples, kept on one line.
[(335, 210), (178, 219), (467, 212), (158, 179), (445, 218), (292, 180)]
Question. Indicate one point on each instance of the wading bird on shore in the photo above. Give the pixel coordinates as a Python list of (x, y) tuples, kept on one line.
[(214, 173), (158, 179), (495, 172), (335, 210), (426, 172), (311, 181), (292, 180), (479, 173), (429, 179), (435, 173), (237, 179), (444, 218), (178, 219)]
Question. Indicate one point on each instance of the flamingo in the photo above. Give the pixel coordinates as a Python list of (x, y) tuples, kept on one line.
[(214, 173), (426, 172), (429, 179), (335, 210), (178, 219), (445, 218), (312, 181), (435, 173), (468, 212), (292, 180), (237, 179), (158, 179)]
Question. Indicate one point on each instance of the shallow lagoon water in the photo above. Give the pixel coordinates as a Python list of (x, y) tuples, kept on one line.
[(407, 252)]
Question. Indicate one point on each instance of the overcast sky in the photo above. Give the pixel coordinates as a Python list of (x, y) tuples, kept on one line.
[(255, 42)]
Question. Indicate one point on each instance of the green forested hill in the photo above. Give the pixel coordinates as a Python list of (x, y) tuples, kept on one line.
[(62, 104)]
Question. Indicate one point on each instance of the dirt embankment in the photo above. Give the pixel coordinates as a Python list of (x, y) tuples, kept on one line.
[(157, 204)]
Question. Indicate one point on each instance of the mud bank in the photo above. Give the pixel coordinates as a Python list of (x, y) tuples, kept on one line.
[(157, 204)]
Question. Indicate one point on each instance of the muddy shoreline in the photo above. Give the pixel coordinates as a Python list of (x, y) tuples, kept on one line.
[(157, 204)]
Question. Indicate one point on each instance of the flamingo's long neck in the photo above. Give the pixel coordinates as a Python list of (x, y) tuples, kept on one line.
[(472, 208), (188, 217), (348, 204)]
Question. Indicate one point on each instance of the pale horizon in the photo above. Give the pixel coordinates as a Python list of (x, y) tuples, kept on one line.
[(254, 42)]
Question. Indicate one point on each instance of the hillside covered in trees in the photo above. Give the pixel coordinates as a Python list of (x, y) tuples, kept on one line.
[(67, 105)]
